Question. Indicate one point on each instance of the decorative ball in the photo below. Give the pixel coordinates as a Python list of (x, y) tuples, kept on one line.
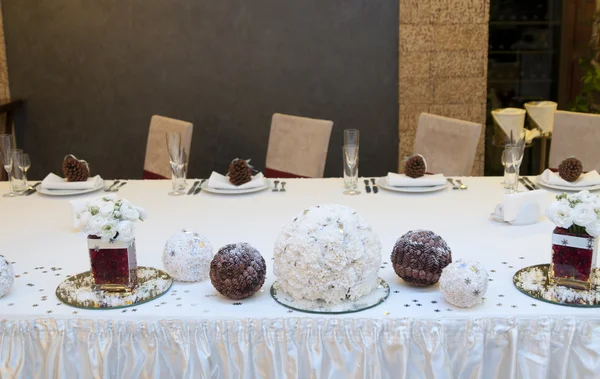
[(238, 271), (327, 253), (415, 166), (187, 256), (419, 257), (464, 283), (570, 169), (7, 276)]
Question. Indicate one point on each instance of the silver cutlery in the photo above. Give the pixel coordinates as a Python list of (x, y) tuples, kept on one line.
[(32, 189), (191, 191), (524, 182), (199, 189), (117, 188), (282, 187), (276, 184), (454, 185), (375, 188), (462, 186), (367, 188), (109, 189), (532, 184)]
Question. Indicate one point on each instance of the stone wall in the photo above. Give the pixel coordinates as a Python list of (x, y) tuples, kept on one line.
[(443, 65)]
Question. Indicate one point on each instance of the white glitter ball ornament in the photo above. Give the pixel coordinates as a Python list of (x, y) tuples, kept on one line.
[(464, 283), (187, 256), (7, 276), (327, 253)]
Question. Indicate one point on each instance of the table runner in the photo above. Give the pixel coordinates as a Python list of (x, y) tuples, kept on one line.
[(194, 330)]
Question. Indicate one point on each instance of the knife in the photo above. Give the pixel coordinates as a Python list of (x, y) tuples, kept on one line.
[(375, 188), (32, 189), (526, 184), (191, 191), (367, 188), (535, 187), (197, 191)]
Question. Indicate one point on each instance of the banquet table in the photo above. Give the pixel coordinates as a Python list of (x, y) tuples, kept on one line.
[(193, 331)]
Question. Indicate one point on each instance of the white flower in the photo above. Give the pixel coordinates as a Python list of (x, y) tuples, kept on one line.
[(561, 214), (584, 214), (572, 198), (107, 208), (95, 224), (108, 230), (593, 229), (143, 213), (586, 197), (126, 231), (83, 219), (129, 212)]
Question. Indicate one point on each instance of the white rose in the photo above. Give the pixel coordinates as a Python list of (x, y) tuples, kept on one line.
[(83, 219), (108, 230), (584, 214), (95, 224), (126, 231), (571, 198), (586, 197), (129, 213), (593, 229), (561, 214), (107, 208), (143, 213)]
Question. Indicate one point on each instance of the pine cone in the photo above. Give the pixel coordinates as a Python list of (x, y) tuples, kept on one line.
[(237, 271), (239, 172), (75, 170), (570, 169), (415, 166)]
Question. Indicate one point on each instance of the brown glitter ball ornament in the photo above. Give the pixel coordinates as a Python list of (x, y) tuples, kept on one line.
[(238, 271), (415, 166), (75, 170), (240, 172), (570, 169), (419, 257)]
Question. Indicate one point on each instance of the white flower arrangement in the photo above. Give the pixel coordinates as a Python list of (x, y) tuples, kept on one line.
[(110, 219), (576, 212)]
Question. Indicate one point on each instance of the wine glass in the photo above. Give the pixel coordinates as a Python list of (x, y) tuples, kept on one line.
[(24, 163), (178, 161), (514, 158), (351, 148), (7, 159)]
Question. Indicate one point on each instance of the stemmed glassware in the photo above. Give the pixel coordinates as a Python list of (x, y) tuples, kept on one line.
[(7, 160), (513, 156), (178, 160), (24, 163), (351, 144)]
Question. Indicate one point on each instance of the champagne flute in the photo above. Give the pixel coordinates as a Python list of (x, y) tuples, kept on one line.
[(24, 164), (351, 148), (177, 158), (7, 159)]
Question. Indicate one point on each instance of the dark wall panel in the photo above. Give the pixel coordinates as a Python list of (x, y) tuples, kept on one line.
[(94, 72)]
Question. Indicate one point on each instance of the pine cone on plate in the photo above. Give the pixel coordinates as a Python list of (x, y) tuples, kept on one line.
[(570, 169), (415, 166), (240, 172), (75, 170)]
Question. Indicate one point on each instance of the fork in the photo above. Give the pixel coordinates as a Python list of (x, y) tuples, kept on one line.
[(462, 186), (116, 189), (109, 189), (454, 185), (532, 184)]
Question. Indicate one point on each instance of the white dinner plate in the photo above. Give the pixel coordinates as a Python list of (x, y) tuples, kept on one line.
[(206, 188), (383, 183), (69, 192), (542, 183)]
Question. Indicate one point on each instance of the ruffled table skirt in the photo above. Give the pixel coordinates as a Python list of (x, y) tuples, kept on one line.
[(302, 348)]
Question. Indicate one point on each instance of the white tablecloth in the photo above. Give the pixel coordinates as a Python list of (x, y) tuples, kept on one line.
[(193, 331)]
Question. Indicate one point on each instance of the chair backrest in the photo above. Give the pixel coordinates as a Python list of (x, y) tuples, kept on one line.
[(576, 134), (297, 147), (156, 164), (448, 145)]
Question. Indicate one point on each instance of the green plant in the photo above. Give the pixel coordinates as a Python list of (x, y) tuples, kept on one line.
[(588, 99)]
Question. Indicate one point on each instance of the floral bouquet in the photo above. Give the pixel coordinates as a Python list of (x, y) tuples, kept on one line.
[(110, 219), (575, 238)]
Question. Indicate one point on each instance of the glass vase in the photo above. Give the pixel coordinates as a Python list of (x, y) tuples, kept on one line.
[(113, 264), (573, 258)]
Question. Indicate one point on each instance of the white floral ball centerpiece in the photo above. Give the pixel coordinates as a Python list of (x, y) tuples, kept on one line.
[(327, 253), (464, 283), (7, 276), (187, 256)]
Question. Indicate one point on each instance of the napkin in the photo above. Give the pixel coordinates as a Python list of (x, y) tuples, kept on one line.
[(591, 178), (401, 180), (524, 207), (55, 182), (219, 181)]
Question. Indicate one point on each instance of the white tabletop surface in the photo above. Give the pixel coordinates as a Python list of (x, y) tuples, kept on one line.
[(37, 231)]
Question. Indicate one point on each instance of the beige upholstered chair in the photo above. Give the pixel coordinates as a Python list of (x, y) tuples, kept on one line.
[(576, 134), (297, 147), (448, 145), (156, 165)]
